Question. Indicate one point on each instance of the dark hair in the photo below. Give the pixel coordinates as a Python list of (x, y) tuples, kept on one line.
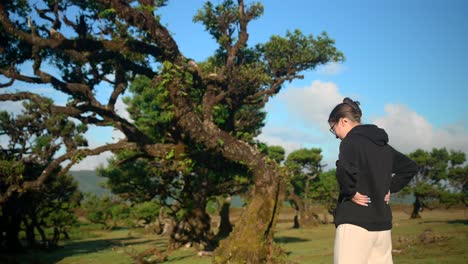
[(349, 109)]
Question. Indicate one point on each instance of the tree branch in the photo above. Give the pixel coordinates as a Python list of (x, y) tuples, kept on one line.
[(274, 89), (160, 150), (243, 37), (145, 20), (16, 76)]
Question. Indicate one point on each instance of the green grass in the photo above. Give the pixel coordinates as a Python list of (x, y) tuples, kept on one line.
[(446, 242)]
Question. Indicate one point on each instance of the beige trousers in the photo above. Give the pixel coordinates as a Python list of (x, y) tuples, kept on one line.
[(356, 245)]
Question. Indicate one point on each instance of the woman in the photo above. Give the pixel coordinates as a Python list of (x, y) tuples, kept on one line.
[(368, 170)]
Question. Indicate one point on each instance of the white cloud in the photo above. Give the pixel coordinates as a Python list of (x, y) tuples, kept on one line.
[(299, 119), (409, 131), (121, 109), (4, 140), (287, 138), (14, 107), (117, 135), (92, 162), (312, 104), (330, 69)]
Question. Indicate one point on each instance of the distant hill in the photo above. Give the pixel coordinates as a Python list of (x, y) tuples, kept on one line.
[(89, 181)]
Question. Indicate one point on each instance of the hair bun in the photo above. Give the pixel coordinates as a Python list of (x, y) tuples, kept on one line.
[(353, 104)]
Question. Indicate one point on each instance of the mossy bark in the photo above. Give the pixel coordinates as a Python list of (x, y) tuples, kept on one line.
[(194, 229), (251, 241), (303, 217)]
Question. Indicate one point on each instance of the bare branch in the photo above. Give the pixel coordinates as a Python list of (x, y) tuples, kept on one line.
[(8, 84), (119, 88), (16, 76), (275, 87), (243, 36)]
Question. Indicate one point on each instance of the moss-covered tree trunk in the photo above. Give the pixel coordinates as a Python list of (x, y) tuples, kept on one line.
[(303, 217), (251, 241), (194, 226), (193, 229)]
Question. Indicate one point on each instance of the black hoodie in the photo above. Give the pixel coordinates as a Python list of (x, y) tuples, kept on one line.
[(368, 165)]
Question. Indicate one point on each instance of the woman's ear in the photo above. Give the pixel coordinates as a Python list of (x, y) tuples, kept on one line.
[(343, 121)]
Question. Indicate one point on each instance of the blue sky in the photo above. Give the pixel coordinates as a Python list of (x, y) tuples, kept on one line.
[(406, 62)]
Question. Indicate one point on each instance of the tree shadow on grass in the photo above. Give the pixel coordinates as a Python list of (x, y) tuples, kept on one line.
[(286, 239), (457, 221), (76, 248)]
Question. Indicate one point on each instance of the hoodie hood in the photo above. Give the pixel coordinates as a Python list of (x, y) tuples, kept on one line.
[(372, 132)]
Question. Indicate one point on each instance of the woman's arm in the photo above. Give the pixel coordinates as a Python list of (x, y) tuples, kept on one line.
[(346, 170), (404, 170)]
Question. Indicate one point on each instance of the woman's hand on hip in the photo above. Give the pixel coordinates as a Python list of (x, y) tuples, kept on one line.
[(361, 199), (387, 197)]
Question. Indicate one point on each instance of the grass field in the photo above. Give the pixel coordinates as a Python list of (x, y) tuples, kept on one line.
[(441, 236)]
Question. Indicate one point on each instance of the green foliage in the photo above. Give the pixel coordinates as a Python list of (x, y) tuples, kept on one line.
[(230, 12), (34, 137), (305, 170), (171, 154), (441, 177), (11, 171), (220, 114), (277, 153), (107, 13), (146, 211), (120, 213), (150, 108), (96, 208), (136, 181), (108, 211), (55, 206), (324, 190), (297, 51), (212, 207), (303, 162)]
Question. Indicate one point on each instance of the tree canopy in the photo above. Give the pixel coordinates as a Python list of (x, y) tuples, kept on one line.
[(441, 178), (32, 139)]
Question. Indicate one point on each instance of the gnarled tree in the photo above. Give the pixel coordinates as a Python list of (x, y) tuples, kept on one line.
[(30, 140), (441, 179), (126, 39), (305, 165)]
